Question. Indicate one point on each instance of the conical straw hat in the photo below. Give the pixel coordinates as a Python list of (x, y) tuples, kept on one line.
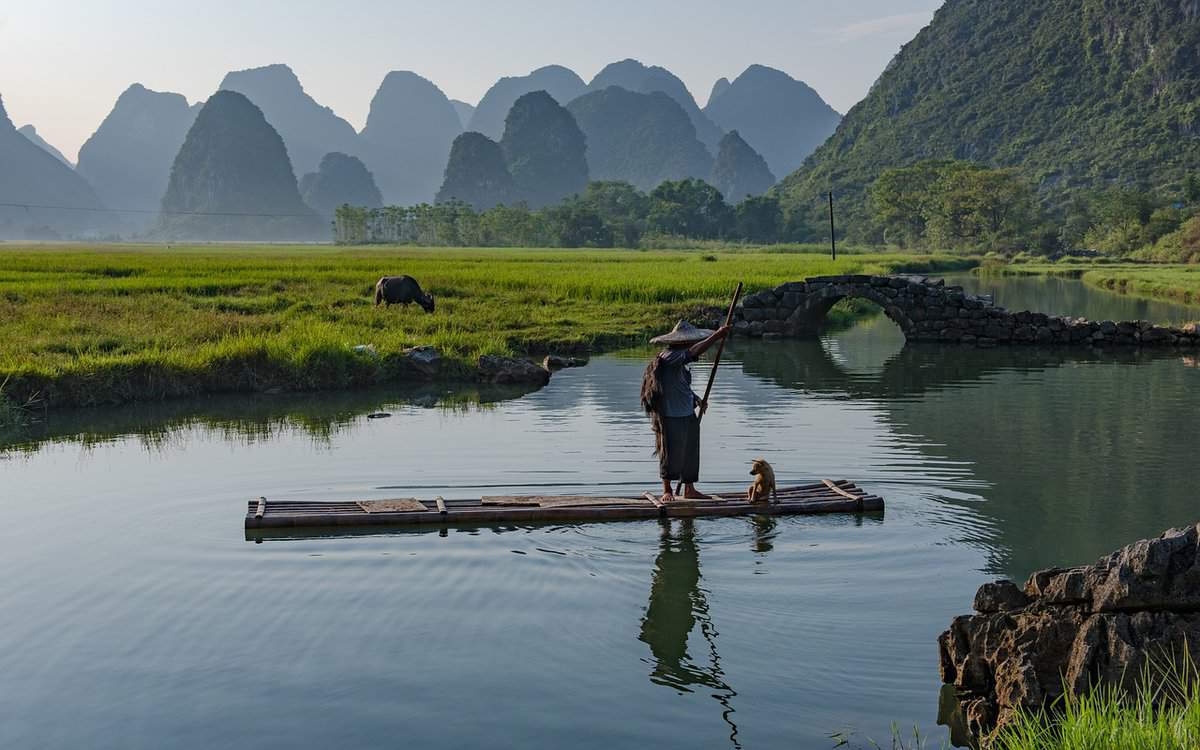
[(683, 333)]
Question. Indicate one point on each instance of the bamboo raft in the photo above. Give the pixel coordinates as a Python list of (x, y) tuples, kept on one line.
[(821, 497)]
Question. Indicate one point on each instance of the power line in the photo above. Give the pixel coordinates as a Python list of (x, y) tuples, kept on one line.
[(28, 206)]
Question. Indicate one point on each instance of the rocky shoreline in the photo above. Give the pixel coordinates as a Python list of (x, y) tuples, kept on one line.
[(1069, 630)]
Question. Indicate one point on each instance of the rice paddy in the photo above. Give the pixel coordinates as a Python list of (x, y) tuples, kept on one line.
[(106, 324)]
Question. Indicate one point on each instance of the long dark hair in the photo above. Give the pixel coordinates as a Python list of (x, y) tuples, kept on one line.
[(652, 402)]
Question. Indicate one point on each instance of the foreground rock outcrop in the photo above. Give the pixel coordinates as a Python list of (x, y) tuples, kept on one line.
[(1072, 629)]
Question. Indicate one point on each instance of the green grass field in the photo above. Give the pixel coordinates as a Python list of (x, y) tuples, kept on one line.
[(89, 325), (1171, 282)]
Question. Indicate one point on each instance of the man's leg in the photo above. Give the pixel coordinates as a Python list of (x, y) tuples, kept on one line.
[(691, 463), (669, 459)]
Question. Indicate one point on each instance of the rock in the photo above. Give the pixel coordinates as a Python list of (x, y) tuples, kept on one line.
[(425, 360), (554, 362), (511, 371), (1073, 629)]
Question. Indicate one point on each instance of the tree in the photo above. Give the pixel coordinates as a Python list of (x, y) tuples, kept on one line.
[(759, 219), (1191, 189), (902, 200), (688, 208), (622, 207), (955, 204), (575, 224)]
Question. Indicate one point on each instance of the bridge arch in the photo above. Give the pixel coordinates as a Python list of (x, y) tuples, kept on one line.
[(927, 309)]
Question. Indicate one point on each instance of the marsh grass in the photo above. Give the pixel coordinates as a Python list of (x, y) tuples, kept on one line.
[(1174, 283), (1162, 714), (117, 323)]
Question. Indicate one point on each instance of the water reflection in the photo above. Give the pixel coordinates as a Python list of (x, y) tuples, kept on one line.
[(246, 419), (677, 604)]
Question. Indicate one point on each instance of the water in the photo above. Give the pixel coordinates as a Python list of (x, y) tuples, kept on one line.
[(138, 613)]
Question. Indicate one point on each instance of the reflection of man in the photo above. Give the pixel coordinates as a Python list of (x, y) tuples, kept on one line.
[(674, 591), (676, 604)]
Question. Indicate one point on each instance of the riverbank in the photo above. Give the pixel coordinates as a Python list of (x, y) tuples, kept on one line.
[(93, 325), (1171, 283)]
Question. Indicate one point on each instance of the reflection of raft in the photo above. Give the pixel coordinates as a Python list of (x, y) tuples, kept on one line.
[(821, 497)]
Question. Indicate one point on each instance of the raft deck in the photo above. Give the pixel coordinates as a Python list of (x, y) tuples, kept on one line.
[(825, 496)]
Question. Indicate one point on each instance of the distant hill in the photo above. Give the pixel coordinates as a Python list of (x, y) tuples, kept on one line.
[(341, 179), (231, 166), (781, 118), (720, 87), (31, 133), (559, 82), (128, 159), (407, 138), (634, 76), (32, 177), (464, 111), (545, 150), (1076, 94), (309, 129), (476, 174), (642, 139), (739, 171)]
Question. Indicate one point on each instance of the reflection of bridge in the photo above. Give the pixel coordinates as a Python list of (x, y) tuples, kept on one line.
[(914, 370), (928, 310)]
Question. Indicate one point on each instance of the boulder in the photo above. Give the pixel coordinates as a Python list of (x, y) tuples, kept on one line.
[(554, 362), (1074, 629), (425, 361), (511, 371)]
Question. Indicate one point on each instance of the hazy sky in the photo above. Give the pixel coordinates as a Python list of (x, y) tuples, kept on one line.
[(64, 62)]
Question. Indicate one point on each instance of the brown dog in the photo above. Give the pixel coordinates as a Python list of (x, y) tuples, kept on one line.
[(762, 489)]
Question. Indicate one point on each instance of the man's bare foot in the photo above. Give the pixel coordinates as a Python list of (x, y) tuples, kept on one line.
[(668, 497), (691, 493)]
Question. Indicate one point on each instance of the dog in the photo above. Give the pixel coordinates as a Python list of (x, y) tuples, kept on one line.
[(762, 489)]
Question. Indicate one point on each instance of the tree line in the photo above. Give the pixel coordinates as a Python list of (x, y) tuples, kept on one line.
[(942, 205), (605, 214)]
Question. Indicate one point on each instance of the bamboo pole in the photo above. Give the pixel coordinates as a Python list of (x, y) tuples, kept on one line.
[(712, 374)]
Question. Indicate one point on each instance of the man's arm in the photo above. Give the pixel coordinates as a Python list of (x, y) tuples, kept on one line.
[(698, 349)]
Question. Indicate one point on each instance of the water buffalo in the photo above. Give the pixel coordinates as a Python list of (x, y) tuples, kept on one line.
[(402, 290)]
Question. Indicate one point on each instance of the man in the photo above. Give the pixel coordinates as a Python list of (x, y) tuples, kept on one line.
[(668, 398)]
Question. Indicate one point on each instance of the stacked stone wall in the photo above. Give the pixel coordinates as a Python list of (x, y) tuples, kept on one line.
[(928, 310)]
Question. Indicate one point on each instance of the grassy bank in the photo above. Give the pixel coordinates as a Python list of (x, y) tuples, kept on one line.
[(1173, 283), (89, 325)]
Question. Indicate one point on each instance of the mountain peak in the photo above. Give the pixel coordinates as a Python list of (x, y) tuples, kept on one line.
[(275, 74), (561, 83), (309, 129), (30, 132), (781, 118)]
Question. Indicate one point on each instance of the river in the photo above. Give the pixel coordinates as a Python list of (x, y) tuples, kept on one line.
[(137, 612)]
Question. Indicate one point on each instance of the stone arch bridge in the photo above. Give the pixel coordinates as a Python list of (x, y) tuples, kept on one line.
[(927, 309)]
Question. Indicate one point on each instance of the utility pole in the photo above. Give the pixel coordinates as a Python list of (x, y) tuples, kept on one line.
[(832, 232)]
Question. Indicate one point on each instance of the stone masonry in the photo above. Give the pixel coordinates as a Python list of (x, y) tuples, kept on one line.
[(928, 310)]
